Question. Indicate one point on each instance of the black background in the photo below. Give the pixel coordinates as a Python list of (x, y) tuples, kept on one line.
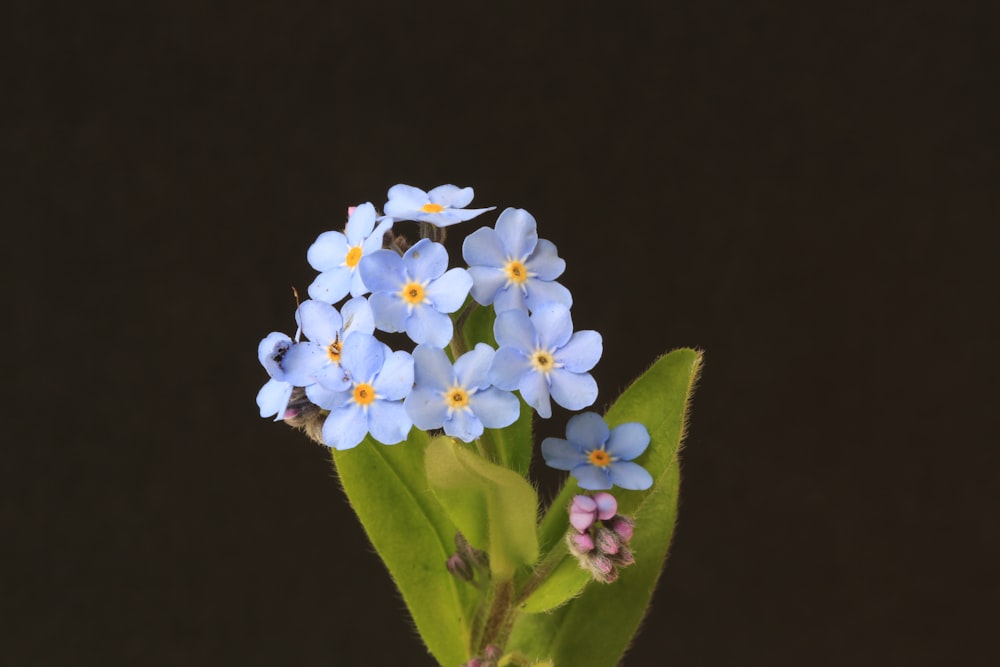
[(800, 190)]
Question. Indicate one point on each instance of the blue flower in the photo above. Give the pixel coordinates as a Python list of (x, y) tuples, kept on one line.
[(380, 380), (511, 267), (599, 457), (336, 255), (461, 399), (273, 397), (442, 206), (318, 359), (540, 356), (412, 293)]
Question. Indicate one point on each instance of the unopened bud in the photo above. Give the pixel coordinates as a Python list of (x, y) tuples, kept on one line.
[(603, 569), (582, 512), (492, 652), (623, 526), (580, 543), (607, 506), (624, 557), (606, 541), (460, 568)]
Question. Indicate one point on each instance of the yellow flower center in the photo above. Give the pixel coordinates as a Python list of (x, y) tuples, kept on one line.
[(412, 293), (353, 256), (456, 397), (432, 208), (542, 361), (599, 458), (364, 393), (516, 272), (334, 350)]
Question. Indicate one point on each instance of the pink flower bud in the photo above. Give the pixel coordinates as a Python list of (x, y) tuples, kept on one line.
[(623, 526), (582, 512), (581, 543), (607, 506), (606, 542)]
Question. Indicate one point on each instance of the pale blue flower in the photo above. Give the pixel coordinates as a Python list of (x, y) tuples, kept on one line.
[(459, 399), (318, 359), (273, 397), (599, 457), (442, 206), (336, 255), (511, 267), (541, 356), (380, 380), (414, 292)]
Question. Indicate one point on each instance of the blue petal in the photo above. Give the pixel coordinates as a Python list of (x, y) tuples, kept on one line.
[(432, 370), (326, 398), (453, 215), (472, 368), (333, 377), (328, 251), (495, 408), (464, 425), (389, 422), (383, 271), (544, 262), (395, 379), (451, 196), (628, 441), (404, 201), (486, 283), (331, 286), (426, 325), (362, 355), (591, 477), (630, 476), (562, 454), (573, 391), (554, 325), (389, 311), (320, 321), (447, 293), (273, 397), (587, 431), (510, 297), (535, 392), (360, 224), (425, 261), (345, 427), (508, 367), (541, 292), (272, 347), (483, 247), (357, 316), (426, 407), (513, 328), (582, 352), (518, 233), (374, 241), (301, 362)]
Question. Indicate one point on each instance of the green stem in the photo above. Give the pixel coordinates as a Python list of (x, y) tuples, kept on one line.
[(552, 559), (500, 619)]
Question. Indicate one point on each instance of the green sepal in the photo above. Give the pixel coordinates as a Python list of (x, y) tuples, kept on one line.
[(597, 626), (493, 506), (413, 535)]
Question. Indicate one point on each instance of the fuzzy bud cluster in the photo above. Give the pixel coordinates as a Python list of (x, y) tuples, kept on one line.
[(600, 537)]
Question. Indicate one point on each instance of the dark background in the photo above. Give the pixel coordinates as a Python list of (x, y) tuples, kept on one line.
[(802, 191)]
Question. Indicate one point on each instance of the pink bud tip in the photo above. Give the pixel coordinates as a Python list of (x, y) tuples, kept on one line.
[(607, 506)]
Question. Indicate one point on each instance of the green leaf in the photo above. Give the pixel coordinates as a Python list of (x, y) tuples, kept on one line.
[(511, 446), (596, 627), (493, 507), (413, 535), (561, 584)]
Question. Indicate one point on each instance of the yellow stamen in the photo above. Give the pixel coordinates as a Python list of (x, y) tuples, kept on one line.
[(542, 361), (432, 208), (334, 350), (457, 398), (599, 458), (364, 393), (353, 256), (412, 293), (516, 272)]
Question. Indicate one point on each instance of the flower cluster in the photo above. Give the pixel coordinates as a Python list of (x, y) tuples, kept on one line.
[(603, 549)]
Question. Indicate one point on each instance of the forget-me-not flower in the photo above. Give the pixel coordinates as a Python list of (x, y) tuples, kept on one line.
[(442, 206), (412, 293), (273, 397), (511, 267), (318, 359), (336, 255), (380, 380), (599, 457), (459, 399), (541, 356)]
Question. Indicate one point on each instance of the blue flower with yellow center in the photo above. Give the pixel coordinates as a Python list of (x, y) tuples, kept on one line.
[(373, 403), (442, 206), (600, 457), (414, 292), (541, 356), (511, 267), (459, 399), (336, 255), (273, 397)]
